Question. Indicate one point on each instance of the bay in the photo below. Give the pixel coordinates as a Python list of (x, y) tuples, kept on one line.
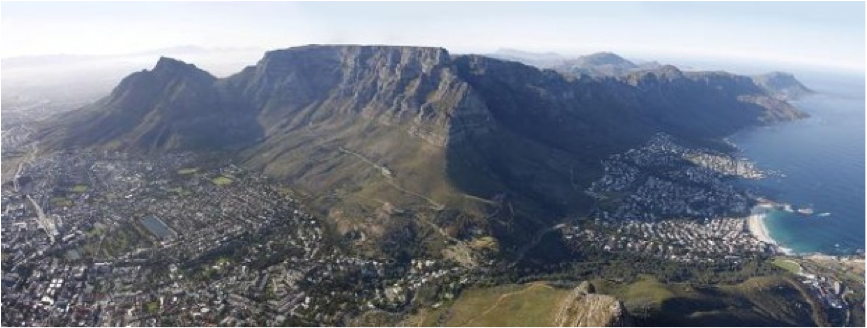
[(821, 159)]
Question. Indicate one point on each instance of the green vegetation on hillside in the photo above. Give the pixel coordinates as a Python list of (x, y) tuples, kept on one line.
[(221, 181), (152, 307), (96, 231), (61, 201), (103, 242), (648, 288), (510, 305), (10, 166), (787, 264), (79, 188)]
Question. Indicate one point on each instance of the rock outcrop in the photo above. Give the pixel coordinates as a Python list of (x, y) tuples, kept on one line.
[(585, 308)]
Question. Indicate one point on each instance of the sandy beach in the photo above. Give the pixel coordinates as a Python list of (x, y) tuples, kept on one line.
[(756, 224)]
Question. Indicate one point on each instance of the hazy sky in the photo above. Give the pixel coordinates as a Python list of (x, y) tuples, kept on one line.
[(821, 33)]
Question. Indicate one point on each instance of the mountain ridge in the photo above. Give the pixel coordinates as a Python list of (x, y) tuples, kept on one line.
[(417, 128), (782, 85)]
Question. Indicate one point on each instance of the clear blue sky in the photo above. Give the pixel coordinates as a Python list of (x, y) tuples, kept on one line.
[(820, 33)]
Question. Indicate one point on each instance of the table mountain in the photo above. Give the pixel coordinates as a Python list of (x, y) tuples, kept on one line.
[(483, 143)]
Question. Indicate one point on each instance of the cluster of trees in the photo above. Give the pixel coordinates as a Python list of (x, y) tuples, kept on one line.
[(407, 238), (592, 262)]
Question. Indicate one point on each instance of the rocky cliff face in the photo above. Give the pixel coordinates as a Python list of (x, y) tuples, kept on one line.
[(416, 88), (702, 104), (585, 308)]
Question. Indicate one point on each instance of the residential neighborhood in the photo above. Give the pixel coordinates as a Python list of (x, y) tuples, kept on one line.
[(665, 180), (685, 240), (127, 241)]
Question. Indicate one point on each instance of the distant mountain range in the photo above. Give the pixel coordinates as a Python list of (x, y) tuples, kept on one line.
[(538, 59), (602, 64), (458, 137), (595, 64), (780, 84)]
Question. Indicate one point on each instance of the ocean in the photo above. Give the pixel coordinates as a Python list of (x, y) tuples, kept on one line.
[(822, 164)]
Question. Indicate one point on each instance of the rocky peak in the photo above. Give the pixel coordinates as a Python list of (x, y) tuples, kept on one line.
[(170, 64), (668, 72), (605, 58), (169, 68), (585, 308)]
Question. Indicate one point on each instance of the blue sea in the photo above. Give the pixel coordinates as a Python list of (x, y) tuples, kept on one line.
[(822, 164)]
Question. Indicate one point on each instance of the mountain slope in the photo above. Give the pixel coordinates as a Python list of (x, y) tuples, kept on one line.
[(534, 304), (782, 85), (335, 117), (531, 305), (468, 144), (171, 107)]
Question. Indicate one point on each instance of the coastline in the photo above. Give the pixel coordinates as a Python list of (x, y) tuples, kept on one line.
[(806, 234), (756, 224), (758, 228)]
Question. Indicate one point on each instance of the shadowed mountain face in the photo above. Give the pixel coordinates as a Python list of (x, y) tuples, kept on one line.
[(417, 127), (171, 107)]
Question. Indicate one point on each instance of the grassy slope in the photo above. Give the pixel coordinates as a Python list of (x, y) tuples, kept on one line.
[(761, 301), (10, 165), (350, 188), (511, 305), (312, 159), (221, 181), (787, 264)]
